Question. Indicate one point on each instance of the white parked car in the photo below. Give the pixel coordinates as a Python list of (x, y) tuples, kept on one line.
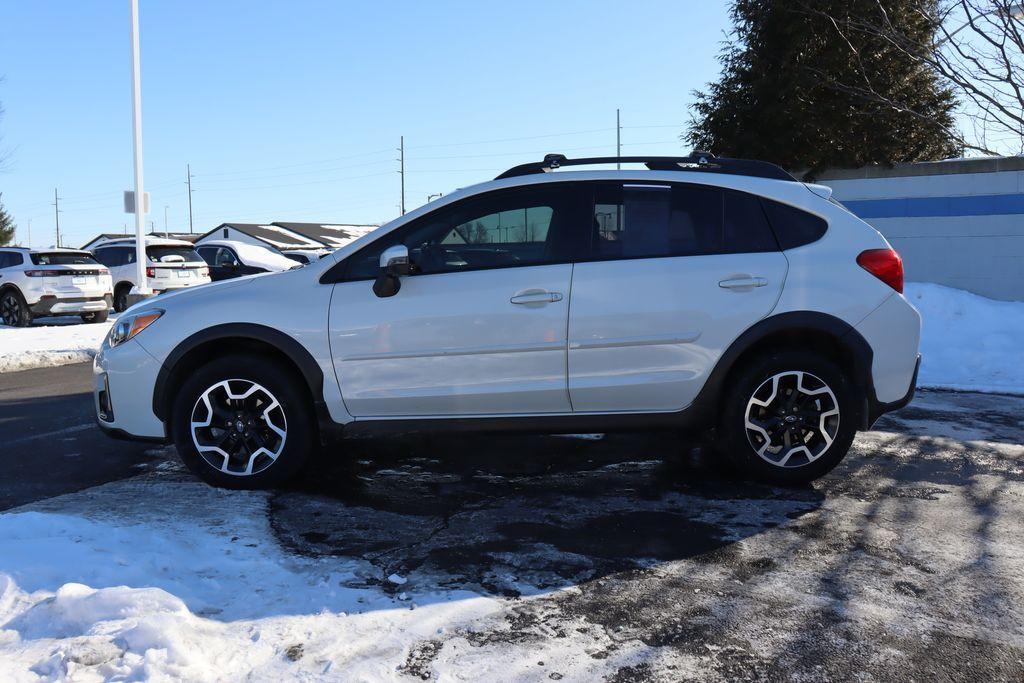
[(716, 296), (171, 264), (34, 284)]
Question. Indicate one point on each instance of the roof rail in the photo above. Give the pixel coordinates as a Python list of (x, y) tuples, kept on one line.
[(704, 162)]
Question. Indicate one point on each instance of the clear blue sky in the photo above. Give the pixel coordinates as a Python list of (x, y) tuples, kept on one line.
[(292, 110)]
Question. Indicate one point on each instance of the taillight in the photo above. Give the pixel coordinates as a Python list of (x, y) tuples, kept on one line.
[(39, 273), (204, 272), (150, 272), (885, 264)]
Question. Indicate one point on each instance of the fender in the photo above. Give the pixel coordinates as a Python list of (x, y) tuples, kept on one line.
[(792, 324), (284, 343)]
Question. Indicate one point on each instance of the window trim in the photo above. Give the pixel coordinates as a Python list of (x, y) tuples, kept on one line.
[(576, 200)]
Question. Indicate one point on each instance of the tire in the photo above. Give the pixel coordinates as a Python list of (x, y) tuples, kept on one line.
[(808, 438), (13, 309), (121, 297), (278, 403), (97, 317)]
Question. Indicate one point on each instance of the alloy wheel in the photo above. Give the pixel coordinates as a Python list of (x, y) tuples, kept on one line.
[(239, 427), (792, 418), (10, 310)]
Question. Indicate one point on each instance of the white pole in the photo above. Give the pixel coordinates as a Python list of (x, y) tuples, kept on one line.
[(140, 205)]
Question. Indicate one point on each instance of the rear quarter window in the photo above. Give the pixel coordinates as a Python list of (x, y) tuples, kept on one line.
[(793, 227)]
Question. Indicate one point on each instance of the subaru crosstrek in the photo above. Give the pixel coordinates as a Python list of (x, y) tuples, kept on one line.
[(697, 294), (51, 282)]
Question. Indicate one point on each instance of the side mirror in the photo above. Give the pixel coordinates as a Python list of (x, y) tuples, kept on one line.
[(394, 262)]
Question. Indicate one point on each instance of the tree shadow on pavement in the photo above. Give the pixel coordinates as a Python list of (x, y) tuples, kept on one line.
[(513, 515)]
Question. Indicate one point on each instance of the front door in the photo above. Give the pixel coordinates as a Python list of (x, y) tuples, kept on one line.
[(479, 328), (676, 272)]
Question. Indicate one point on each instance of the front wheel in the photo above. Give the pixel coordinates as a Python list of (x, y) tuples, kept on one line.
[(243, 422), (789, 418)]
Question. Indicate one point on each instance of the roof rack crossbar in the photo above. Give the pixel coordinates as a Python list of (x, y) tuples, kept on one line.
[(697, 161)]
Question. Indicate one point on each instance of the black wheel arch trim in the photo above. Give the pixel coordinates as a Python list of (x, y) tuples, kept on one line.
[(312, 375)]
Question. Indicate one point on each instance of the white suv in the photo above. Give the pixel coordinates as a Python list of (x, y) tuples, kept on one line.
[(171, 264), (701, 294), (34, 284)]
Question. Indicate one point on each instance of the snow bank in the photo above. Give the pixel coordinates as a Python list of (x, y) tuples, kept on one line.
[(140, 590), (969, 342), (40, 346)]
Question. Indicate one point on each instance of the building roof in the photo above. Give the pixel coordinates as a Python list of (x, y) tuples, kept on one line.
[(103, 237), (273, 235), (332, 235), (926, 168)]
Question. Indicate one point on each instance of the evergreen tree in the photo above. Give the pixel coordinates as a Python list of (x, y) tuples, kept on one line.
[(6, 225), (803, 87)]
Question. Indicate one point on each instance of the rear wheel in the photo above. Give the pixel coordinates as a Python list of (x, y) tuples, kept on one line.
[(13, 309), (95, 317), (788, 418), (121, 297), (243, 422)]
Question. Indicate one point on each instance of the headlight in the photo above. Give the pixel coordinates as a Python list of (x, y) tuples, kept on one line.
[(128, 326)]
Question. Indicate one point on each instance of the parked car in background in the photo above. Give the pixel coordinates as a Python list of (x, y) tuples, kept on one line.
[(231, 258), (34, 284), (306, 256), (170, 264), (720, 297)]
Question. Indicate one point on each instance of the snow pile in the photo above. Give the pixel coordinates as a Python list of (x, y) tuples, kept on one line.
[(968, 342), (41, 346), (141, 590)]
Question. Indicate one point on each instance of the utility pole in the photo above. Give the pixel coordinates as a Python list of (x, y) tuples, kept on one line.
[(188, 181), (56, 214), (141, 282), (166, 234), (618, 140), (401, 169), (29, 245)]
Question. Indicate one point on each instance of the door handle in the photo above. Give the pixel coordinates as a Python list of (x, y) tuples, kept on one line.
[(743, 283), (535, 296)]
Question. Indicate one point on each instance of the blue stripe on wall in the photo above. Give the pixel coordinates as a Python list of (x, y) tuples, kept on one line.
[(916, 207)]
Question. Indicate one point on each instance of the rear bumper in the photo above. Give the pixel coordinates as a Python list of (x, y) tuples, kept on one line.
[(878, 408), (54, 305)]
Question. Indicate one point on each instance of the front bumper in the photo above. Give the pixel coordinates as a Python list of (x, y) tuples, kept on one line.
[(54, 305), (123, 380)]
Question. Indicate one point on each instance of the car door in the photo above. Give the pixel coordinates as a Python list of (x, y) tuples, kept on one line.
[(478, 328), (675, 273)]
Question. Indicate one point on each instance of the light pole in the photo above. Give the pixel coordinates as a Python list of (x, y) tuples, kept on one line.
[(142, 286)]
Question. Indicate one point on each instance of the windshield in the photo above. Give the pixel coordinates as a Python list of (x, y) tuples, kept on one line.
[(59, 258), (172, 254)]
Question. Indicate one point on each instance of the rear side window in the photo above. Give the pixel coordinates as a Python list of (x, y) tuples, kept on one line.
[(9, 258), (63, 259), (793, 227), (637, 221)]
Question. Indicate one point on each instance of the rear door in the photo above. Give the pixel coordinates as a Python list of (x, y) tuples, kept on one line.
[(675, 273), (479, 328)]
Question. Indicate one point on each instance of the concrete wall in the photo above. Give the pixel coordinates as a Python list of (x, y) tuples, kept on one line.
[(959, 223)]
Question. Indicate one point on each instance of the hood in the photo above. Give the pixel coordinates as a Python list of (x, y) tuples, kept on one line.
[(191, 293)]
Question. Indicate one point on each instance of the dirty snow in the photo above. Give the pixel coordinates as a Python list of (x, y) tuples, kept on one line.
[(50, 342)]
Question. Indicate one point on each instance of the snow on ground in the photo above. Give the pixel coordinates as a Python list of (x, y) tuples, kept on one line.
[(108, 595), (50, 342), (968, 342)]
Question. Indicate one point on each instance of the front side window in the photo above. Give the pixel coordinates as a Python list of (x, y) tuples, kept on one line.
[(521, 227), (226, 257), (63, 259), (643, 221)]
